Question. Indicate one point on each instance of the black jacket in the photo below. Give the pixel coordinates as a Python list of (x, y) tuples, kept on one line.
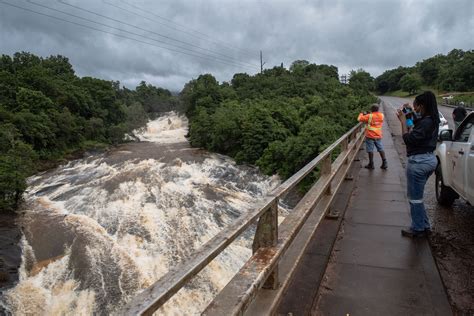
[(422, 139), (459, 114)]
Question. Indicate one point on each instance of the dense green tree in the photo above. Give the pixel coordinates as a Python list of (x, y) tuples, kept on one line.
[(200, 128), (429, 70), (451, 72), (136, 116), (202, 92), (410, 83), (25, 60), (155, 100), (279, 119), (59, 66), (226, 136), (8, 89), (298, 66), (33, 101), (390, 79), (361, 80), (15, 165)]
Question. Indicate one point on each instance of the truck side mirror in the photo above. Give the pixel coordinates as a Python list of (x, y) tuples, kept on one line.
[(445, 135)]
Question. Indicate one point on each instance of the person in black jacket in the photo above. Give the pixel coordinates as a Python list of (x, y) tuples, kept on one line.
[(459, 113), (420, 143)]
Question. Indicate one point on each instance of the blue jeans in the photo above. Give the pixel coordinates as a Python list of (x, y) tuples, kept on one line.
[(419, 169)]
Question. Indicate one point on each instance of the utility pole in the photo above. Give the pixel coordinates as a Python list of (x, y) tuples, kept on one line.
[(261, 62), (344, 79)]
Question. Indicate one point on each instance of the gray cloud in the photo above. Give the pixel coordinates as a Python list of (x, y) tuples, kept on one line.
[(370, 34)]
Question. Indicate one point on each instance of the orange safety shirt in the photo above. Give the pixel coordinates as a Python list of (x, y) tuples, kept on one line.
[(373, 121)]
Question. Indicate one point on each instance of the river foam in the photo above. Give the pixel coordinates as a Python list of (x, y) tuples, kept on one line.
[(97, 233)]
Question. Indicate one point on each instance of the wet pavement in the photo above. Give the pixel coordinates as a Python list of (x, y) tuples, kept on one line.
[(452, 241), (373, 270)]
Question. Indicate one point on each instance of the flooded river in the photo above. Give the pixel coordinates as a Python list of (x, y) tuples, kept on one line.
[(97, 231)]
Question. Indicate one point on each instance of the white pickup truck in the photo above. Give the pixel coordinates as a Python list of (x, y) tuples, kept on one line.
[(455, 171)]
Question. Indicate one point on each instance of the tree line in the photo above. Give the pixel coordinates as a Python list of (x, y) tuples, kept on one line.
[(451, 72), (278, 120), (48, 112)]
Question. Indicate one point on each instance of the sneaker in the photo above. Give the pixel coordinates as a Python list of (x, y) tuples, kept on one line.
[(384, 165), (408, 232), (370, 165), (428, 231)]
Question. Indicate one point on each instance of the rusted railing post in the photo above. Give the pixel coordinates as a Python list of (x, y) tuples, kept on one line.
[(344, 148), (266, 235), (345, 144), (326, 169)]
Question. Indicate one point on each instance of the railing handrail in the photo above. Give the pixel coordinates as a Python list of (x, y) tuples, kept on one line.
[(239, 292), (292, 181), (148, 301)]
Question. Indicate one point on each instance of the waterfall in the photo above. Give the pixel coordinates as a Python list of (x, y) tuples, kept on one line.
[(99, 230)]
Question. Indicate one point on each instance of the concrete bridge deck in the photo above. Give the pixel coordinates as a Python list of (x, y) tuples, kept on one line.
[(372, 270)]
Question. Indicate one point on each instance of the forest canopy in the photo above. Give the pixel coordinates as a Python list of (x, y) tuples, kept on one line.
[(278, 120), (451, 72)]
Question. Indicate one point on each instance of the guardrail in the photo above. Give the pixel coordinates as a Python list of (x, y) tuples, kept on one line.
[(453, 104), (270, 242)]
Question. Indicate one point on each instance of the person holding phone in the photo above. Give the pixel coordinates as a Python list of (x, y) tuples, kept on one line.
[(420, 144)]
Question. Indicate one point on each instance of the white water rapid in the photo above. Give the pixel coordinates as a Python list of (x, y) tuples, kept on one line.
[(99, 230)]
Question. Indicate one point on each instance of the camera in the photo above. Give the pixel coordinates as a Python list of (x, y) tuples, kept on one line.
[(407, 111)]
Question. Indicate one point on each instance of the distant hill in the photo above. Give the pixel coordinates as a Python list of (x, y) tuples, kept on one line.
[(451, 72)]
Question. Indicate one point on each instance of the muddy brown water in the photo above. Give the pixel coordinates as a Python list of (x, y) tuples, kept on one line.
[(98, 230)]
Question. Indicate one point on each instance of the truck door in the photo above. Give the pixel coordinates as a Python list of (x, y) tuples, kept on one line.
[(459, 154), (470, 171)]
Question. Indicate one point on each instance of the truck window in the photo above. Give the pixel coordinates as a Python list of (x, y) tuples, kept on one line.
[(464, 131)]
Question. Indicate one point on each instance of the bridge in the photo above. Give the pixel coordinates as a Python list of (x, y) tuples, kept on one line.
[(339, 252)]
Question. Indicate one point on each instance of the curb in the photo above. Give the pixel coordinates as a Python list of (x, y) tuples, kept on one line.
[(455, 106)]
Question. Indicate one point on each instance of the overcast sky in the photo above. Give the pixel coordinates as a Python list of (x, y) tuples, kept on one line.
[(223, 37)]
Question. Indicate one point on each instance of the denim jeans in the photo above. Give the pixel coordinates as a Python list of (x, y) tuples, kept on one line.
[(372, 143), (419, 169)]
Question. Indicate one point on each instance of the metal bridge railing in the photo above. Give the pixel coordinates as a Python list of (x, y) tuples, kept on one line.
[(270, 242)]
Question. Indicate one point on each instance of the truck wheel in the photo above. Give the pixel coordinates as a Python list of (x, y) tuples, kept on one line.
[(444, 194)]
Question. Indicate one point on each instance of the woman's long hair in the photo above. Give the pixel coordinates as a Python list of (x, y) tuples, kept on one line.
[(428, 101)]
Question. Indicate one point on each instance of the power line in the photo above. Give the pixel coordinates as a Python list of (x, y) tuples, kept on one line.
[(132, 33), (168, 26), (185, 27), (107, 32), (146, 30)]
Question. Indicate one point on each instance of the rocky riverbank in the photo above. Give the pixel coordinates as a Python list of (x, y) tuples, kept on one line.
[(10, 251)]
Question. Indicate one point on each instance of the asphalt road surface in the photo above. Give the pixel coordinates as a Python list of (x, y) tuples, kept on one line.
[(452, 241)]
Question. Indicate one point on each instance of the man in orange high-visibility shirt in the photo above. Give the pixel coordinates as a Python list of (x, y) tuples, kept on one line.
[(373, 135)]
